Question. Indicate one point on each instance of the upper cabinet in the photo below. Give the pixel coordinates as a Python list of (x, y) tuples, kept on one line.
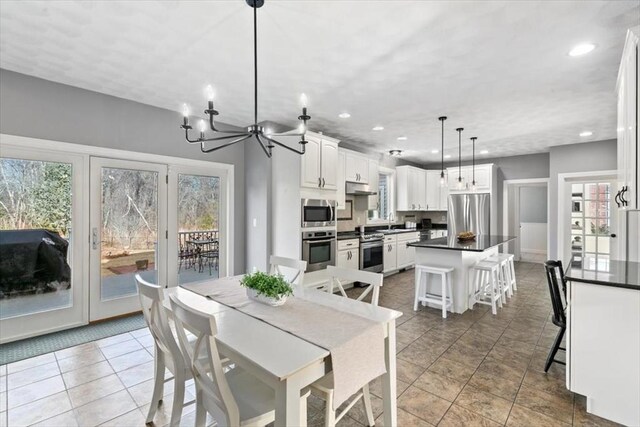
[(411, 188), (357, 167), (628, 117), (319, 164), (341, 197), (483, 177), (436, 193)]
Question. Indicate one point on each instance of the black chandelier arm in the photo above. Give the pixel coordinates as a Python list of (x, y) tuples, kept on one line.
[(220, 138), (190, 141), (280, 144), (209, 150), (215, 129), (265, 148)]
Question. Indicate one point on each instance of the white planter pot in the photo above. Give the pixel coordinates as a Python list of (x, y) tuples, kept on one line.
[(253, 294)]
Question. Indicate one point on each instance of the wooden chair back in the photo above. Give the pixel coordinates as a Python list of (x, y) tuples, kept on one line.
[(293, 268), (204, 361), (339, 275), (558, 294)]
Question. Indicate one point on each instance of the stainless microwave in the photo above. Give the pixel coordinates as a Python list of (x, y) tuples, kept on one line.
[(318, 213)]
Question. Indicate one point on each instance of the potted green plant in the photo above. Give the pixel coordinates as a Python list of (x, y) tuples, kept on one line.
[(267, 289)]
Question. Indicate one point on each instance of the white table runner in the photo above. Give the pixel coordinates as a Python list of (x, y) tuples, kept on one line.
[(356, 344)]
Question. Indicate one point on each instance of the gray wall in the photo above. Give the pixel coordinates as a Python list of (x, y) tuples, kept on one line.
[(514, 167), (585, 157), (43, 109), (533, 204)]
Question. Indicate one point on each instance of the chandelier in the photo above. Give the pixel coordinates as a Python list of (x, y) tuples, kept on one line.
[(259, 133)]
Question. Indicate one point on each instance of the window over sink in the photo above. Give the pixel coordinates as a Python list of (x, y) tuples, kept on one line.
[(386, 198)]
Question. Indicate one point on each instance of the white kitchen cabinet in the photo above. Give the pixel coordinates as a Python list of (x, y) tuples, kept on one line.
[(348, 254), (319, 164), (406, 254), (374, 178), (411, 189), (357, 168), (436, 194), (484, 177), (390, 256), (341, 196)]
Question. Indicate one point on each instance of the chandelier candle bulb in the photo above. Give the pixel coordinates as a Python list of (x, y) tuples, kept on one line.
[(202, 126), (303, 101), (185, 113)]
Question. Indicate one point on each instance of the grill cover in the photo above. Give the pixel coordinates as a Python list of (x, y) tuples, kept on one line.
[(33, 261)]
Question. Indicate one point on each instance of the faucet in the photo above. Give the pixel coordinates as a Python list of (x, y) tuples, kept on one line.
[(390, 218)]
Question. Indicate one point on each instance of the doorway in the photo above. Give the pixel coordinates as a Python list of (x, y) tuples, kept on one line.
[(525, 215)]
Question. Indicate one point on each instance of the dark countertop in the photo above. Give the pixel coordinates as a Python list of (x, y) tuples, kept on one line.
[(345, 235), (398, 231), (619, 274), (481, 243)]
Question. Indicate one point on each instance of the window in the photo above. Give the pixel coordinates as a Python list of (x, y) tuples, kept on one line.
[(590, 224), (385, 198)]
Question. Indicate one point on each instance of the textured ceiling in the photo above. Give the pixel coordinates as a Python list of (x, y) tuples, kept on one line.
[(498, 69)]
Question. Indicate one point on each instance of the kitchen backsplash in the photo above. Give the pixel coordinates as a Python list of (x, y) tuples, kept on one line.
[(359, 217)]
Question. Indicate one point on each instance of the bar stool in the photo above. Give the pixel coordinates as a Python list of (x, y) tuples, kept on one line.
[(508, 272), (421, 295), (486, 285)]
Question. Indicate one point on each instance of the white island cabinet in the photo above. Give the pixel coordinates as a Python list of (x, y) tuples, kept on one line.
[(603, 340)]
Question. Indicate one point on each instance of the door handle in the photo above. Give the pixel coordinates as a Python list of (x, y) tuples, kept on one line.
[(94, 237), (615, 199)]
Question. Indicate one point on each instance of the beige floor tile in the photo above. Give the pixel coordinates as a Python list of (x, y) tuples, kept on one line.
[(66, 419), (34, 391), (457, 416), (407, 371), (94, 390), (32, 375), (451, 369), (76, 350), (502, 369), (114, 339), (105, 409), (87, 373), (524, 417), (120, 348), (405, 419), (131, 418), (88, 357), (546, 404), (444, 387), (495, 385), (485, 404), (125, 361), (465, 355), (39, 410), (418, 354), (375, 387), (30, 363), (424, 405)]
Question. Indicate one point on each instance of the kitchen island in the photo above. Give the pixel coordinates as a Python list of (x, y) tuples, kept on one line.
[(461, 256)]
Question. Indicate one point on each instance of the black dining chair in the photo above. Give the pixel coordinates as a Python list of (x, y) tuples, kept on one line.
[(558, 295)]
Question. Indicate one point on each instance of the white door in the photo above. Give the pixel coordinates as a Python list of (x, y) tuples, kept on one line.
[(128, 233), (42, 204), (310, 161), (198, 243), (329, 165)]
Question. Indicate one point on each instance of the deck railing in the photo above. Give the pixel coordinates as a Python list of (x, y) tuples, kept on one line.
[(183, 236)]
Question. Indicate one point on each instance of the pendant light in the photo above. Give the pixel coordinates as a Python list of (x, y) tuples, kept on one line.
[(442, 180), (473, 163), (460, 184)]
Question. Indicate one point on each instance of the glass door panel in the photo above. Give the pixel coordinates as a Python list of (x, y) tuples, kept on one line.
[(40, 276), (128, 226)]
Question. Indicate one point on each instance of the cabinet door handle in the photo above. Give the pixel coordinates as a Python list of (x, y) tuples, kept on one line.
[(625, 202), (616, 198), (319, 182), (322, 182)]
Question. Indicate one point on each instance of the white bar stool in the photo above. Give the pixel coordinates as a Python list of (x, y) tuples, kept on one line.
[(507, 271), (445, 299), (486, 285)]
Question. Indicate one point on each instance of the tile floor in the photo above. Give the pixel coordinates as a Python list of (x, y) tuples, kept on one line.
[(472, 369)]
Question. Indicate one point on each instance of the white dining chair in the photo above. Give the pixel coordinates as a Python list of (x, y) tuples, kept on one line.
[(293, 268), (232, 397), (167, 353), (324, 386)]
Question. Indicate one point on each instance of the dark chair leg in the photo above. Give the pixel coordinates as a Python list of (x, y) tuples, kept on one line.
[(554, 350)]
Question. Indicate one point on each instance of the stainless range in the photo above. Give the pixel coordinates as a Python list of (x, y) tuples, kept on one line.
[(371, 249)]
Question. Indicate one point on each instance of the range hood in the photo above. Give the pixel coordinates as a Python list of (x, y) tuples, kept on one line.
[(356, 189)]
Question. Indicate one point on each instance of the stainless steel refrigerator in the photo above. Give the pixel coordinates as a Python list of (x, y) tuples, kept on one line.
[(469, 212)]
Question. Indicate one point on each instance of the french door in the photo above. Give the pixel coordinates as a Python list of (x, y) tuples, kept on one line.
[(42, 230), (128, 233)]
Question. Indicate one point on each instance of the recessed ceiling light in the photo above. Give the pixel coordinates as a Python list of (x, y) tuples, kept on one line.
[(344, 115), (395, 153), (402, 138), (586, 133), (484, 152), (434, 151), (378, 128), (582, 49), (447, 156)]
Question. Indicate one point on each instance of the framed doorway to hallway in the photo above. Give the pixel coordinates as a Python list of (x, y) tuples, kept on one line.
[(525, 214)]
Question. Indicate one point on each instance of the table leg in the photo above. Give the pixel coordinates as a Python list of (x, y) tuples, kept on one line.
[(389, 392), (288, 411)]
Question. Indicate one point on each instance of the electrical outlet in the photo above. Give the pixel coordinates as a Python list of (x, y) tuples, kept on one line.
[(443, 218)]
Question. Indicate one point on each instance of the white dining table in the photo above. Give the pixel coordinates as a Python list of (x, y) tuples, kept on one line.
[(286, 363)]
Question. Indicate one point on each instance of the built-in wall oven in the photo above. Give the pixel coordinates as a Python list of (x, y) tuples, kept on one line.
[(319, 249), (318, 213)]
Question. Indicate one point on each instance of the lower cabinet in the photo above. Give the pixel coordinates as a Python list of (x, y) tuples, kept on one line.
[(390, 256), (348, 254), (406, 255), (397, 254)]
